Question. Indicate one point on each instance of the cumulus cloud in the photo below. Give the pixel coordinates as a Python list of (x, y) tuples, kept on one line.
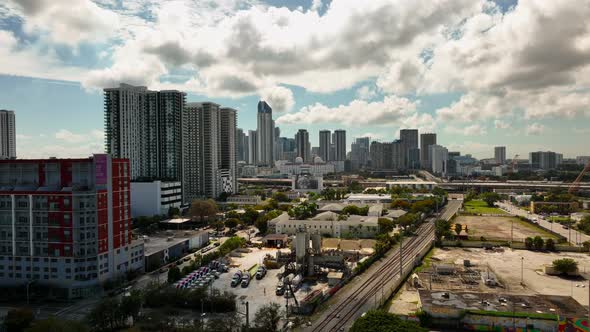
[(499, 124), (472, 130), (366, 92), (279, 98), (535, 129), (67, 22), (392, 110), (70, 137)]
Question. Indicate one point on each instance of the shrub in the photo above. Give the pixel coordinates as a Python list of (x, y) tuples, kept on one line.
[(550, 245), (565, 265)]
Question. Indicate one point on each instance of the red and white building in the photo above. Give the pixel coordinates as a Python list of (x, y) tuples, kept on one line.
[(66, 223)]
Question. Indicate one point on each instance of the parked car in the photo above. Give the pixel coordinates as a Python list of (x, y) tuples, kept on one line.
[(261, 272), (245, 280)]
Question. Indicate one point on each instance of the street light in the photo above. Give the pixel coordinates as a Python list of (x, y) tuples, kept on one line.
[(522, 271)]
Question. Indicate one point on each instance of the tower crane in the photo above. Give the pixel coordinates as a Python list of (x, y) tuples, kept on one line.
[(576, 184)]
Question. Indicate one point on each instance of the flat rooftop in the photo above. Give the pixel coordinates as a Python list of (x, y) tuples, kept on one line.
[(531, 304), (163, 240)]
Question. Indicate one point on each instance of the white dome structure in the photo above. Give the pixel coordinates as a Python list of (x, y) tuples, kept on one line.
[(318, 160), (299, 160)]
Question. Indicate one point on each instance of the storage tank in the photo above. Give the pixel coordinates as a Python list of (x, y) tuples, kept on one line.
[(301, 245), (316, 243)]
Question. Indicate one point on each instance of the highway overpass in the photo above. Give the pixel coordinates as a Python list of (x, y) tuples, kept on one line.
[(460, 185)]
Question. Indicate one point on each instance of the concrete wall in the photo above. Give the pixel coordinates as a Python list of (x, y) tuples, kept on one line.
[(145, 199), (501, 324)]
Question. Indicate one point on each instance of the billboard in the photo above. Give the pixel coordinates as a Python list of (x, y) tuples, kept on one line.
[(100, 168), (307, 182)]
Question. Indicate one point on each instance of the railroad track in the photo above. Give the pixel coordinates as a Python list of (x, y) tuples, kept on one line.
[(346, 309)]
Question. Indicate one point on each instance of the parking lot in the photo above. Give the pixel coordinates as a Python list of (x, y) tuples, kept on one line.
[(258, 292), (509, 266)]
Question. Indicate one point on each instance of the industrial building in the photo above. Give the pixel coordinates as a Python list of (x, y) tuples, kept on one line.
[(475, 311), (170, 246)]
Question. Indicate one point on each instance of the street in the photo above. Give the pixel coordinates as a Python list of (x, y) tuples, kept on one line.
[(573, 236)]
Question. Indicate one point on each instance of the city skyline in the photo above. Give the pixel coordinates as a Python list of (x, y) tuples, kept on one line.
[(526, 103)]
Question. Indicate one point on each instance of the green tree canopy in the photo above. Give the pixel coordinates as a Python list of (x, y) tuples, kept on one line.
[(203, 209), (232, 222), (381, 321), (490, 198), (18, 320), (565, 265), (54, 324), (267, 317), (386, 225)]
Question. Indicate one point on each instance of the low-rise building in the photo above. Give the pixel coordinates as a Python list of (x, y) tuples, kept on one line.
[(327, 224), (155, 197), (472, 311), (244, 200), (170, 246)]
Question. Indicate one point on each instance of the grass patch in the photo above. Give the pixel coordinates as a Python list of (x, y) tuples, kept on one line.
[(426, 261), (559, 219), (481, 207), (542, 232)]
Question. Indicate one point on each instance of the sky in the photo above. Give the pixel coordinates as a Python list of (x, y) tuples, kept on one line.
[(478, 73)]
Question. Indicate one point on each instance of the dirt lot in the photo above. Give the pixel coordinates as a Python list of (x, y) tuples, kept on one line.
[(507, 266), (500, 228)]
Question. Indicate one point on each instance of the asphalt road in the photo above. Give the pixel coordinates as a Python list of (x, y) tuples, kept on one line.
[(573, 236)]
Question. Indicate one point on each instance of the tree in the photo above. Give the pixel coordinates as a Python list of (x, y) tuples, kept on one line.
[(385, 225), (174, 274), (529, 243), (280, 197), (423, 206), (54, 324), (225, 323), (407, 220), (442, 228), (250, 215), (400, 204), (490, 198), (439, 191), (203, 209), (458, 228), (565, 265), (550, 245), (584, 225), (304, 210), (18, 320), (106, 316), (262, 224), (267, 317), (378, 321), (131, 304), (232, 222), (173, 212), (538, 242), (351, 210)]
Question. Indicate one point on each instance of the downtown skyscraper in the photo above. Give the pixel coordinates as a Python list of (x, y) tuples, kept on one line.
[(7, 135), (340, 144), (325, 138), (209, 154), (426, 140), (303, 145), (145, 127), (410, 138), (266, 133)]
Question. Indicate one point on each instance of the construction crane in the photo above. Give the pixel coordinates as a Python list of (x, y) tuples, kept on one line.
[(514, 162), (576, 184)]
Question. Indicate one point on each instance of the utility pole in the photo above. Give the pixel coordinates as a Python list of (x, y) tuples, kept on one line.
[(247, 316), (522, 271)]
